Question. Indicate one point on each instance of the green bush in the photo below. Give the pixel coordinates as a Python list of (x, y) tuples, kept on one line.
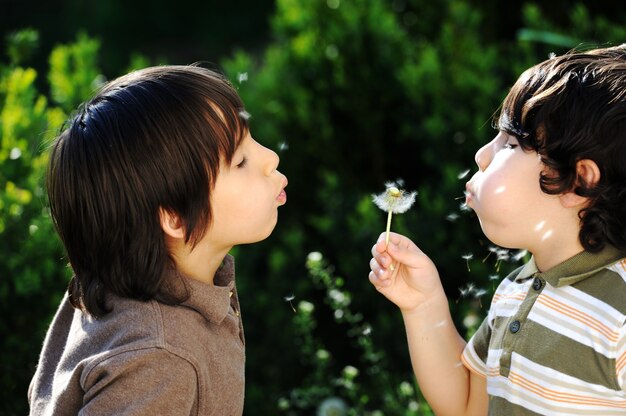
[(32, 272)]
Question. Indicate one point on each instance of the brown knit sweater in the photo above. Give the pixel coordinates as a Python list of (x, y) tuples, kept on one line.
[(146, 358)]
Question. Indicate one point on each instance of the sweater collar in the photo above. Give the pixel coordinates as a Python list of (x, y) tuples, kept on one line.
[(574, 269), (212, 301)]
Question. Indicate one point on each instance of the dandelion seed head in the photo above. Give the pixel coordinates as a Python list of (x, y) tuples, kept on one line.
[(467, 256), (394, 199), (282, 146), (464, 207), (494, 277), (289, 298)]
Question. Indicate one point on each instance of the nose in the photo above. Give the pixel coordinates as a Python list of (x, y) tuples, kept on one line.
[(483, 156), (271, 161)]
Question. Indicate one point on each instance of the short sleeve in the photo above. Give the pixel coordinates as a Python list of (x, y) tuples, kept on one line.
[(150, 381), (474, 355), (620, 360)]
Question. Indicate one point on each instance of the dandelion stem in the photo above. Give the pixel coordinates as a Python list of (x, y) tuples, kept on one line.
[(388, 227)]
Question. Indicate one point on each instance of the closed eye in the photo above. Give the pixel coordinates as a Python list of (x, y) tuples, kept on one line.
[(243, 162)]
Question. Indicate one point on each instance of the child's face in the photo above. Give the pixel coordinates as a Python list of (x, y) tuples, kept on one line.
[(246, 196), (505, 194)]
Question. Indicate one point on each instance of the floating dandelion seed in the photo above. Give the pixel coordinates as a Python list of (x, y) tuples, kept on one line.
[(463, 174), (492, 249), (289, 299), (282, 146), (242, 76), (245, 115), (394, 201), (453, 216), (519, 255), (467, 257)]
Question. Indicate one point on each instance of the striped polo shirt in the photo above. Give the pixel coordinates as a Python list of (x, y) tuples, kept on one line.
[(554, 343)]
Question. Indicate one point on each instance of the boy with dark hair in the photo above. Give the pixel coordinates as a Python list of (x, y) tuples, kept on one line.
[(150, 185), (553, 181)]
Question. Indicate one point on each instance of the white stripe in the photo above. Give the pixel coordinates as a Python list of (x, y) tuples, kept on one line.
[(573, 330), (619, 268), (549, 380), (588, 304)]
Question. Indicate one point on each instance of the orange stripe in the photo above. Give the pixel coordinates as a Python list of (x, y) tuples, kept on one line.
[(562, 397), (470, 367), (578, 316), (621, 362), (518, 296), (623, 264)]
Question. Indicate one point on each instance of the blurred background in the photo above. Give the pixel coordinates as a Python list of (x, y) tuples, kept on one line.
[(351, 94)]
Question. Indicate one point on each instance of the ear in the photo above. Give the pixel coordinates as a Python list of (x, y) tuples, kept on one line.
[(587, 175), (171, 224)]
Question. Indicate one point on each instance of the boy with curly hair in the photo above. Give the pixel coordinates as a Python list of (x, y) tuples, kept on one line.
[(553, 181)]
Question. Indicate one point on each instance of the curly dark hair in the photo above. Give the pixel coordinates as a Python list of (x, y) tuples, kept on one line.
[(150, 140), (569, 108)]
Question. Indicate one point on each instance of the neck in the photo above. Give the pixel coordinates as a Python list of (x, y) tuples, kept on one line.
[(199, 264), (550, 255)]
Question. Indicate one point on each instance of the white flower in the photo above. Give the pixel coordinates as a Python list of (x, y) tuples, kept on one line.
[(332, 406), (314, 257)]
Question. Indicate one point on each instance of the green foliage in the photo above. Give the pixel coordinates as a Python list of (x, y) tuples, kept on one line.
[(365, 386), (74, 75), (32, 273)]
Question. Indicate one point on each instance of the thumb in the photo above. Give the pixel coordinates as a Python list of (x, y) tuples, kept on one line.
[(407, 255)]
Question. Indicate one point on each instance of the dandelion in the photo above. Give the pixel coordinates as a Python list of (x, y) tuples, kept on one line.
[(467, 257), (289, 299), (394, 201)]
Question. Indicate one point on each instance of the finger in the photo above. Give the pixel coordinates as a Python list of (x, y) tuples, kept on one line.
[(375, 266), (378, 282), (383, 259), (410, 256)]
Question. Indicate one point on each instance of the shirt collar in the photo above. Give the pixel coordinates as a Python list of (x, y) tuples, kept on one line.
[(211, 301), (574, 269)]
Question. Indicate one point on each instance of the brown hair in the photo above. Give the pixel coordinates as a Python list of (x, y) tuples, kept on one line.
[(151, 139), (569, 108)]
